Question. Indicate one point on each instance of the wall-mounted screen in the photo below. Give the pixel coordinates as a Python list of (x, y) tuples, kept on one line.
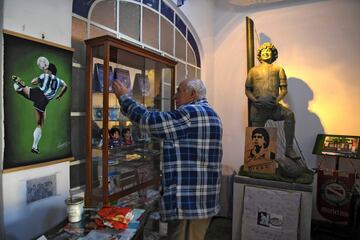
[(337, 145)]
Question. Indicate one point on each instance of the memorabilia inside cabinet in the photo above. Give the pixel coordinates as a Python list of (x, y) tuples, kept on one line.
[(121, 158)]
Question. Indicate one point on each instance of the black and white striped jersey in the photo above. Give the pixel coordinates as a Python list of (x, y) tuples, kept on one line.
[(49, 84)]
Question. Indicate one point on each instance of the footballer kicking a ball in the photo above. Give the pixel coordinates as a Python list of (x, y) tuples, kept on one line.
[(48, 85)]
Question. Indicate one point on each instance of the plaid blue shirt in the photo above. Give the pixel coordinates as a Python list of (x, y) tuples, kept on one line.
[(192, 152)]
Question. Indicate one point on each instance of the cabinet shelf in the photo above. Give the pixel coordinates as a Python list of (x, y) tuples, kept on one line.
[(114, 172)]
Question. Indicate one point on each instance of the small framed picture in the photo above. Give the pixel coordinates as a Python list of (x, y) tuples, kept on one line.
[(40, 188), (260, 149)]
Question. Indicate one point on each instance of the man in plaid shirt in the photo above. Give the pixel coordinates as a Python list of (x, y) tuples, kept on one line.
[(192, 152)]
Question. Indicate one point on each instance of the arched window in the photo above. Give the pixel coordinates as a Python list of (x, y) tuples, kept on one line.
[(154, 24), (157, 25)]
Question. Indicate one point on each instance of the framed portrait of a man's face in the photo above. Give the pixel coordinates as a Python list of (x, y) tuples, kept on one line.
[(260, 149)]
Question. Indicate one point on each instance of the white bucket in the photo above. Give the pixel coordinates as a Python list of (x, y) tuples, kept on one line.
[(75, 208)]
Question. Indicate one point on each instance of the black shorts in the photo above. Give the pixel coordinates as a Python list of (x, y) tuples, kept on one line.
[(39, 99)]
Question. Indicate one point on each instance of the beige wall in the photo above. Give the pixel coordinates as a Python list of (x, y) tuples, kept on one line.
[(318, 44)]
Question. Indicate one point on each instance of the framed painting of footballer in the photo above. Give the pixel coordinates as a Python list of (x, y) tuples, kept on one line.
[(260, 150), (37, 100)]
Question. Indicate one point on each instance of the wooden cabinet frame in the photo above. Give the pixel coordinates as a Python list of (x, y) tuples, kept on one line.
[(107, 43)]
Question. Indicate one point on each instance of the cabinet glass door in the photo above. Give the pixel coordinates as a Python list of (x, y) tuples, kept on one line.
[(97, 122), (123, 159)]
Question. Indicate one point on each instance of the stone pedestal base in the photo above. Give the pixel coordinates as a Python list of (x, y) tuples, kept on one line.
[(299, 197)]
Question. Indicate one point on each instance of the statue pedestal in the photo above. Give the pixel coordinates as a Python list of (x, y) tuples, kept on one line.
[(265, 209)]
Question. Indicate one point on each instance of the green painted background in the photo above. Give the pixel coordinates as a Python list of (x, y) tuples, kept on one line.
[(20, 57)]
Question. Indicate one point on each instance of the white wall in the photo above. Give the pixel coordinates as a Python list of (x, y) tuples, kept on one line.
[(230, 72), (200, 14), (318, 44), (36, 17), (26, 221), (33, 18)]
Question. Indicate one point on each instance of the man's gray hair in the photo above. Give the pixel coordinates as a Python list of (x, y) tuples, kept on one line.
[(198, 86)]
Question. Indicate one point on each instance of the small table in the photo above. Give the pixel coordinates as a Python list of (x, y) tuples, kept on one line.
[(305, 190), (64, 230)]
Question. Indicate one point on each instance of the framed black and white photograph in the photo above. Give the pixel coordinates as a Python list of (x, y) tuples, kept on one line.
[(40, 188)]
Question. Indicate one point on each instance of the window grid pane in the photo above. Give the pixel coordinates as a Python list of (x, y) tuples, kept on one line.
[(167, 37), (192, 42), (129, 20), (96, 32), (81, 7), (180, 46), (190, 55), (180, 73), (79, 30), (152, 3), (150, 28), (191, 72), (180, 25), (78, 35), (104, 14), (167, 11)]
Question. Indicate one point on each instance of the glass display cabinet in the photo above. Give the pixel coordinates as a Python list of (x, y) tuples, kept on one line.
[(118, 167)]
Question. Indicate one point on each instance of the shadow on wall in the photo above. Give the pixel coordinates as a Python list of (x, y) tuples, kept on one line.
[(308, 124)]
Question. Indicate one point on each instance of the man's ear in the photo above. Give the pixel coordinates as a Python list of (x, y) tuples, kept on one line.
[(193, 94)]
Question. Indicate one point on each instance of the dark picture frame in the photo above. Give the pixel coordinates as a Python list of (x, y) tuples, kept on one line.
[(337, 145), (20, 58)]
